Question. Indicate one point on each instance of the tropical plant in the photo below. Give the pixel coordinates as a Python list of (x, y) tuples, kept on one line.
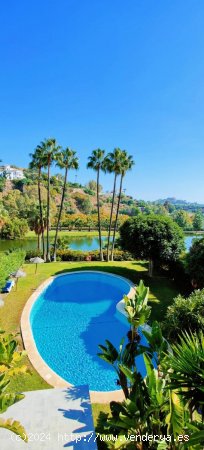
[(51, 150), (137, 308), (112, 164), (96, 162), (126, 164), (185, 366), (10, 359), (38, 224), (66, 159), (138, 311), (38, 162)]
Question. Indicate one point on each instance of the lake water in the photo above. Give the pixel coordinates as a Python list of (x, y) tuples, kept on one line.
[(82, 243)]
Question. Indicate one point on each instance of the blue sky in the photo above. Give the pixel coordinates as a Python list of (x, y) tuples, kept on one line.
[(108, 73)]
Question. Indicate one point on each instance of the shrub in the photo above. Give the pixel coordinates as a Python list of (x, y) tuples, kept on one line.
[(152, 237), (33, 253), (70, 255), (9, 263), (195, 263), (185, 314), (14, 229)]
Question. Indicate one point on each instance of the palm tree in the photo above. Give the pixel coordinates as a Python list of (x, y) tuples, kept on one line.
[(112, 164), (66, 159), (51, 152), (125, 165), (96, 162), (38, 162), (37, 224)]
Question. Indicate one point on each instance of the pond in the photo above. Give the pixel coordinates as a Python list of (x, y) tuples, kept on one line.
[(81, 243)]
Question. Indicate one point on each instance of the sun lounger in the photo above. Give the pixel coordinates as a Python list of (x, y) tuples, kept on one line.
[(8, 286)]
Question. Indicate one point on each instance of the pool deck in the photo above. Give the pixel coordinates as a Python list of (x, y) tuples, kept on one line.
[(38, 362), (53, 419)]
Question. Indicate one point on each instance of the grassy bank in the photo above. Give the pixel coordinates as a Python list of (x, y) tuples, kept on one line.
[(66, 233)]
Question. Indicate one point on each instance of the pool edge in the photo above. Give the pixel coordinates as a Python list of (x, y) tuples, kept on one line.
[(46, 373)]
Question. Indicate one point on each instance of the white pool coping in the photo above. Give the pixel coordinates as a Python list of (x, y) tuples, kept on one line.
[(34, 356)]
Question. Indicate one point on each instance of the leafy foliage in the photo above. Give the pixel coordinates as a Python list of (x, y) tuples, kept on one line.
[(186, 365), (195, 263), (185, 313), (9, 367), (14, 229), (152, 237)]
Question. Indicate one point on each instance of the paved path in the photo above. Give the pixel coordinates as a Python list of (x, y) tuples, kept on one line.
[(53, 419)]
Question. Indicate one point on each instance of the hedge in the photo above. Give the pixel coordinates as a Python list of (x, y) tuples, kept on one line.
[(10, 263), (72, 255)]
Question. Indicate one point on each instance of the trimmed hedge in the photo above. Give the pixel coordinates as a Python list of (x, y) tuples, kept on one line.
[(9, 263), (72, 255)]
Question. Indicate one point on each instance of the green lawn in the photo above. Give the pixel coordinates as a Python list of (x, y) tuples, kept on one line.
[(161, 290), (66, 233)]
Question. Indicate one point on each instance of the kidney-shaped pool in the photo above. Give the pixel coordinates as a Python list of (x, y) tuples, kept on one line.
[(74, 314)]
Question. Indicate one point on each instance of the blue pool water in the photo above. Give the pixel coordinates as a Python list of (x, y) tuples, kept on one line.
[(74, 314)]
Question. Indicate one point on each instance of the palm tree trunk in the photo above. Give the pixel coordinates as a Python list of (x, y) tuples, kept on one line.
[(116, 219), (48, 213), (41, 213), (38, 242), (111, 217), (60, 213), (99, 219)]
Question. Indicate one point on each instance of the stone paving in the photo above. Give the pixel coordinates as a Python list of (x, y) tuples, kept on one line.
[(54, 419)]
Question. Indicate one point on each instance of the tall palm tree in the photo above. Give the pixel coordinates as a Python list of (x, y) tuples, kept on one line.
[(66, 159), (127, 163), (96, 162), (51, 152), (38, 162), (112, 164)]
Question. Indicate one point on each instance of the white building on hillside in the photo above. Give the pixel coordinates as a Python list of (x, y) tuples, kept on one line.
[(11, 173)]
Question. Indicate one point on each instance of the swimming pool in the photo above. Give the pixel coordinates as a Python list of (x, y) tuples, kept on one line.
[(71, 316)]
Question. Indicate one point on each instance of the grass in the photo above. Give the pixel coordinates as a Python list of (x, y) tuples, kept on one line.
[(162, 292), (66, 233)]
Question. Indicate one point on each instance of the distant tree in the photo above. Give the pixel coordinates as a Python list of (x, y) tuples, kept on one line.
[(195, 263), (92, 185), (198, 221), (14, 229), (182, 219), (67, 160), (35, 223), (50, 152), (37, 163), (126, 164), (112, 164), (2, 183), (96, 162), (156, 238)]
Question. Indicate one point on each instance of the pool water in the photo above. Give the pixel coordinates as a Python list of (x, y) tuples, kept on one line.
[(74, 314)]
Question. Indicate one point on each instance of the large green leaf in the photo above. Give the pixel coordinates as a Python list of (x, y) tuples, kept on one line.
[(15, 427), (175, 418)]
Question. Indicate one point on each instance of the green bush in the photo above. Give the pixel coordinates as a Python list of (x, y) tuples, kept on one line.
[(70, 255), (9, 263), (33, 253), (195, 263), (74, 255), (14, 229), (185, 314)]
